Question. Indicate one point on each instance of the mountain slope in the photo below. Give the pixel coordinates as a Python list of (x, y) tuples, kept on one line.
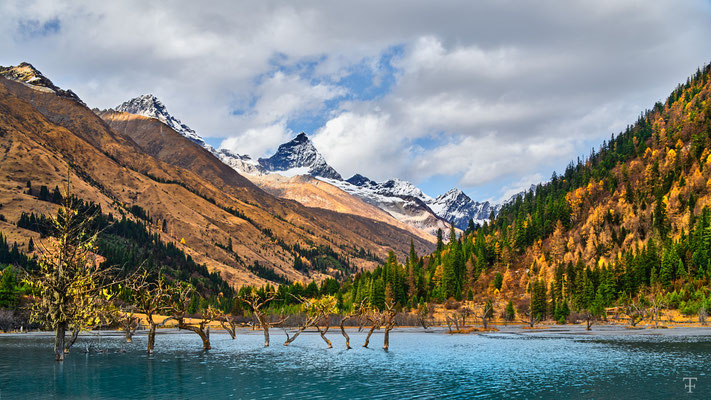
[(631, 223), (299, 157), (458, 208), (207, 205), (312, 192), (149, 106)]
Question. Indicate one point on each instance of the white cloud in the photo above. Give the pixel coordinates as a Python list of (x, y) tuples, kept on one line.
[(482, 90), (523, 184), (259, 141), (363, 143)]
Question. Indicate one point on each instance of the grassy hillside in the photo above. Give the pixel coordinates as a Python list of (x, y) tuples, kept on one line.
[(198, 204)]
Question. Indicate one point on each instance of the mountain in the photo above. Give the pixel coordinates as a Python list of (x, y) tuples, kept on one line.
[(458, 208), (139, 168), (28, 75), (299, 157), (626, 227), (313, 192), (148, 105), (401, 199), (241, 163)]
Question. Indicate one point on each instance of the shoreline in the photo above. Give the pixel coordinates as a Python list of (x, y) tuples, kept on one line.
[(511, 329)]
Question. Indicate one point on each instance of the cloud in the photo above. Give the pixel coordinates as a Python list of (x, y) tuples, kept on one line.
[(259, 141), (521, 185), (482, 91)]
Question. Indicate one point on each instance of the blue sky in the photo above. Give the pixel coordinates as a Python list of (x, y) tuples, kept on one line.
[(483, 96)]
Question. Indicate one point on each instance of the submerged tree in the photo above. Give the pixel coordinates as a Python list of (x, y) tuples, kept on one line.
[(486, 313), (357, 313), (180, 295), (389, 314), (257, 303), (318, 312), (70, 287), (150, 298), (128, 321)]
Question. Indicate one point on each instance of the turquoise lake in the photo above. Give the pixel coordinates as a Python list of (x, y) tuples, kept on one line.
[(418, 366)]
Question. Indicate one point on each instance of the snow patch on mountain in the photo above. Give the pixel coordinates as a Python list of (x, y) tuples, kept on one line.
[(29, 76), (299, 153), (459, 209), (243, 164), (148, 105)]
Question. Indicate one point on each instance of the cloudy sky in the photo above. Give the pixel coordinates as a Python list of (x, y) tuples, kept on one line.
[(486, 96)]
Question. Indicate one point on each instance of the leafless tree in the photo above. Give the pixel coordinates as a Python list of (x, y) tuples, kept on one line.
[(356, 313), (180, 297), (128, 321), (656, 304), (375, 319), (389, 322), (229, 324), (635, 310), (524, 308), (150, 298), (318, 313), (485, 314), (257, 304), (703, 314), (424, 314)]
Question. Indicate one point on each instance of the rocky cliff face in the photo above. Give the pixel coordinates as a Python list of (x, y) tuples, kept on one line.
[(459, 209), (297, 157)]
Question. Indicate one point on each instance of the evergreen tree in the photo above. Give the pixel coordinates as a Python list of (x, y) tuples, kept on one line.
[(9, 292), (539, 304), (440, 243), (510, 313)]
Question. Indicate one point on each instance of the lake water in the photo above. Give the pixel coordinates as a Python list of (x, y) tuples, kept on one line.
[(418, 365)]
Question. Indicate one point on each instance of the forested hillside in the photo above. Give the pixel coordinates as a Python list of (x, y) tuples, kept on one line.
[(629, 222)]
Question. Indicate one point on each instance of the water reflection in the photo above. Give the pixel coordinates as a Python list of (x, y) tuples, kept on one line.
[(418, 365)]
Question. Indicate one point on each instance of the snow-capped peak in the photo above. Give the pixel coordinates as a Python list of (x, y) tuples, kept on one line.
[(148, 105), (458, 208), (300, 155), (400, 188), (360, 180), (28, 75)]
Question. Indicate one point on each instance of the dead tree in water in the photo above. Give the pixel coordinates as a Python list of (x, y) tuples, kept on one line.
[(257, 304), (486, 313), (317, 311), (357, 313), (452, 320), (375, 318), (149, 298), (389, 322), (229, 324), (129, 322), (180, 297)]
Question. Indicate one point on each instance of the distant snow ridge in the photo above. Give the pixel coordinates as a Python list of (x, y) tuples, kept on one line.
[(240, 163), (299, 156), (459, 209), (148, 105)]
